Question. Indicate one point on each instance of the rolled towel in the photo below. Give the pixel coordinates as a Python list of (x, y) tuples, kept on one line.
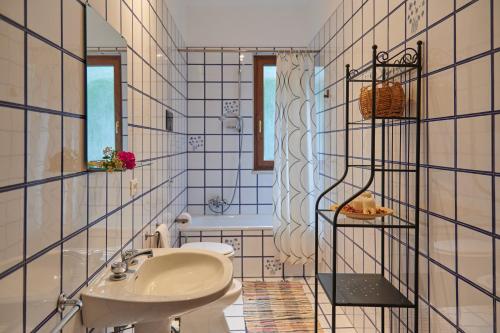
[(163, 236), (184, 218)]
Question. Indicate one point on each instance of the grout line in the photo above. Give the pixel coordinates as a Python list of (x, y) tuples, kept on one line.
[(427, 168), (25, 195), (61, 210), (151, 192)]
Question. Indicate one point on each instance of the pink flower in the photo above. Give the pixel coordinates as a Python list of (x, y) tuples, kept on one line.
[(127, 158)]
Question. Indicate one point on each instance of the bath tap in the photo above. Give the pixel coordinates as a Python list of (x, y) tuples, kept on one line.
[(217, 203)]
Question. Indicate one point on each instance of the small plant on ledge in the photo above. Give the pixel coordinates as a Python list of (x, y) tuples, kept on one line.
[(114, 161)]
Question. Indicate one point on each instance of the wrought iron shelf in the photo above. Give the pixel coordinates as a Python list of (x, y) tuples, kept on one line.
[(374, 290), (379, 168), (405, 60), (367, 122), (388, 222), (386, 121), (365, 290)]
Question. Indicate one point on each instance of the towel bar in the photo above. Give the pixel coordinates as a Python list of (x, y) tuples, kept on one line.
[(155, 234), (62, 302)]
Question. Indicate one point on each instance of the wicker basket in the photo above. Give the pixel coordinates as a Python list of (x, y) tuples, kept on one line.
[(390, 98)]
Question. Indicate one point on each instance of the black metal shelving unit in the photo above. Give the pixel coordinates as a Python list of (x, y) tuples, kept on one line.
[(376, 290)]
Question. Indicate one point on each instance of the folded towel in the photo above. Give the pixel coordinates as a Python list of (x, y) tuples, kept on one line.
[(184, 218), (163, 236)]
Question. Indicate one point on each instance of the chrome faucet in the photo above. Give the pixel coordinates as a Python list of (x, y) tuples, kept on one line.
[(217, 203), (129, 256), (119, 269)]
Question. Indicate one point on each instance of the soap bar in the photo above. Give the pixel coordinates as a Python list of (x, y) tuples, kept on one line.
[(357, 204), (369, 206), (364, 203), (366, 194)]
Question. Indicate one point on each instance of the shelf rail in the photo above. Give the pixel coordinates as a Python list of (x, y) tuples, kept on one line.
[(62, 303)]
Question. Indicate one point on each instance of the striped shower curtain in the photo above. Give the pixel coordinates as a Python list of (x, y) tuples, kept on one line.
[(295, 161)]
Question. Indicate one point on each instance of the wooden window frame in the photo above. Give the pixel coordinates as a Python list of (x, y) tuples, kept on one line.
[(116, 62), (259, 62)]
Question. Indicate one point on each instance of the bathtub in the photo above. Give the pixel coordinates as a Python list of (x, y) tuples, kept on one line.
[(251, 237), (228, 222)]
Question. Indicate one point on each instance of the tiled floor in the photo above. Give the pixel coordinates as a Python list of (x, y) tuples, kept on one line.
[(236, 319)]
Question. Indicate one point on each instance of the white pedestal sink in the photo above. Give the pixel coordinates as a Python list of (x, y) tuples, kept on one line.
[(172, 282)]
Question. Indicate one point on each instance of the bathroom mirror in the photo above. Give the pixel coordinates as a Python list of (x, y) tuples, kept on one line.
[(106, 87)]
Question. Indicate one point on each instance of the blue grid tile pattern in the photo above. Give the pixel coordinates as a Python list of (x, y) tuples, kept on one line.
[(64, 224), (460, 235), (213, 148)]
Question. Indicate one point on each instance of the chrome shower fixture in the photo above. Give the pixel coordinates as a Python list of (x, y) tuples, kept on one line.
[(232, 122), (217, 204), (231, 118)]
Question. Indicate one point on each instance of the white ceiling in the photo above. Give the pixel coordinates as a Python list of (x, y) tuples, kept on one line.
[(250, 22)]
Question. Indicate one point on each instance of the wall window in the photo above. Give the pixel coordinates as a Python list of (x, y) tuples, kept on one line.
[(103, 105), (264, 109)]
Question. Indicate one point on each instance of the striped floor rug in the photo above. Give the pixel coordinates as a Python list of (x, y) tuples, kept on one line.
[(276, 307)]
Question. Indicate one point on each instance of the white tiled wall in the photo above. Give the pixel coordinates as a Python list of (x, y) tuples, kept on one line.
[(459, 289), (254, 252), (213, 148), (60, 224)]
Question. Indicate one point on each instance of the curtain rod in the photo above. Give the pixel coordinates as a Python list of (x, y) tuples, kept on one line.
[(245, 50)]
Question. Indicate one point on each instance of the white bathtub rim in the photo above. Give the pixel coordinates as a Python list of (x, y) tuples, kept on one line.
[(194, 226)]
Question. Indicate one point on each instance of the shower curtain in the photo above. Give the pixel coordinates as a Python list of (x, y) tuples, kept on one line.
[(295, 161)]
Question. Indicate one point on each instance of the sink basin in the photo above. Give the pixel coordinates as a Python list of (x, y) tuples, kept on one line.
[(172, 282)]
